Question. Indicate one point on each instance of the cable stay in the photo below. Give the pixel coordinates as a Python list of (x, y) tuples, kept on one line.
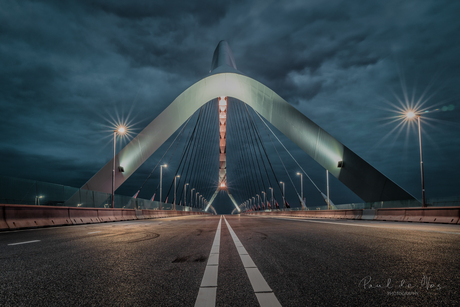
[(322, 194)]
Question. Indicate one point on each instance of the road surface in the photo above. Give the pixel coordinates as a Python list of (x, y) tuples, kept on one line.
[(261, 261)]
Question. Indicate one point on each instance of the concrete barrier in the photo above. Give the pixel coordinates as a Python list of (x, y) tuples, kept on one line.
[(110, 215), (129, 214), (368, 214), (26, 216), (83, 215), (139, 215), (445, 215), (390, 214), (3, 224)]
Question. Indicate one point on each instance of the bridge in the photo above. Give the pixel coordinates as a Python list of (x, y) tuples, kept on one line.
[(174, 248)]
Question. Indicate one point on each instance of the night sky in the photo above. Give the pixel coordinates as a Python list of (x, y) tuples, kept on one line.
[(70, 69)]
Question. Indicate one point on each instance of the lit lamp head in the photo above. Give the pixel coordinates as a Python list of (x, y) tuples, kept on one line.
[(410, 114), (121, 130)]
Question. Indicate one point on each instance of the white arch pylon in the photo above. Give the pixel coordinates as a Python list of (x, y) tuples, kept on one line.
[(225, 80)]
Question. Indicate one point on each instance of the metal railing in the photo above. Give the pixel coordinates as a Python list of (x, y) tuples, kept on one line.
[(32, 192)]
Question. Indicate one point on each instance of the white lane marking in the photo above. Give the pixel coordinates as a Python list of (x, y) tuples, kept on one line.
[(210, 276), (206, 297), (264, 293), (93, 232), (267, 299), (208, 288), (371, 226), (26, 242), (257, 280)]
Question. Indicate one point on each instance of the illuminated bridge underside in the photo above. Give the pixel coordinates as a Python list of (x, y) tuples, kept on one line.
[(358, 175)]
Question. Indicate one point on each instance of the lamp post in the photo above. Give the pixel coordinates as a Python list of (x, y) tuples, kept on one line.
[(174, 205), (161, 181), (265, 197), (196, 198), (327, 182), (254, 201), (191, 197), (273, 204), (185, 194), (284, 199), (410, 115), (301, 189), (120, 131)]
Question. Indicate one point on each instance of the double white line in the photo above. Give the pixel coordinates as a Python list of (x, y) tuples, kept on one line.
[(208, 289)]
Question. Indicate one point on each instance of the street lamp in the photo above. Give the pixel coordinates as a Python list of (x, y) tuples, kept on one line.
[(196, 198), (161, 180), (327, 183), (411, 115), (284, 199), (191, 197), (120, 130), (37, 200), (185, 194), (273, 204), (174, 205), (265, 197), (301, 189)]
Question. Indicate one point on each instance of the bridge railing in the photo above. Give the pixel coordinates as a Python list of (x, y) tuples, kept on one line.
[(432, 202), (32, 192)]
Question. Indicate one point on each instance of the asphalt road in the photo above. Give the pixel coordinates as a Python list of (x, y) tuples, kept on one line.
[(274, 261)]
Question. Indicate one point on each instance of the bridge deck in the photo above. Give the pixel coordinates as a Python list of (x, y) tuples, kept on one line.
[(162, 262)]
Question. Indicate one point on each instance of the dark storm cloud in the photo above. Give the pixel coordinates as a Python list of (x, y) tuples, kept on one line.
[(67, 68)]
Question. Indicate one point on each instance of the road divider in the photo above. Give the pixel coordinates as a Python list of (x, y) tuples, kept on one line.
[(28, 216), (25, 216), (3, 224), (83, 215), (445, 215)]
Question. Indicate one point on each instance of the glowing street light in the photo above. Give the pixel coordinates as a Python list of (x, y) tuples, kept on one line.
[(185, 194), (411, 115), (120, 130), (301, 189), (191, 197), (37, 199), (161, 180), (174, 204), (273, 203), (284, 197)]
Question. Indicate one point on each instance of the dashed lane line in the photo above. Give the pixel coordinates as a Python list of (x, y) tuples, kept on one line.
[(263, 292), (208, 288), (26, 242)]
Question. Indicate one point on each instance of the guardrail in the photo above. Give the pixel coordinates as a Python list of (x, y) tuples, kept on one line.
[(445, 215), (30, 216)]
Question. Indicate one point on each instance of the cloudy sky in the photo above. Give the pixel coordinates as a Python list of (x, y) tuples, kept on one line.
[(69, 68)]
